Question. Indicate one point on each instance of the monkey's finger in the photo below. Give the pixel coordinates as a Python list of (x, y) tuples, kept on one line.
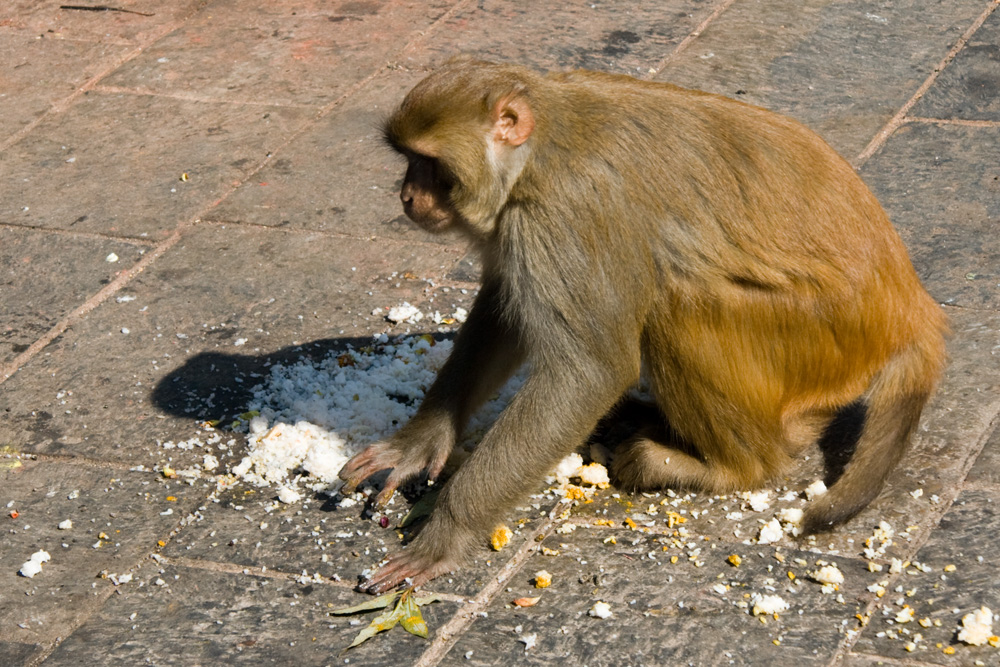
[(389, 575), (436, 466), (387, 492), (359, 460)]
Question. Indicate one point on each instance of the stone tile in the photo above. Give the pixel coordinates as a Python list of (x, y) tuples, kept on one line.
[(967, 89), (338, 176), (39, 286), (318, 537), (941, 186), (663, 611), (966, 539), (45, 20), (297, 53), (206, 617), (99, 392), (843, 68), (552, 35), (112, 164), (131, 509), (986, 471), (13, 654), (40, 72)]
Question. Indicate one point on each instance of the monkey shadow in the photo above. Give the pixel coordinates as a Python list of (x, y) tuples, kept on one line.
[(218, 385)]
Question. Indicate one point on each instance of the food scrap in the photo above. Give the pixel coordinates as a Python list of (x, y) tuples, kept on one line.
[(33, 565), (406, 612)]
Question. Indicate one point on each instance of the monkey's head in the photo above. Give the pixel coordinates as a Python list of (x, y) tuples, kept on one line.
[(464, 131)]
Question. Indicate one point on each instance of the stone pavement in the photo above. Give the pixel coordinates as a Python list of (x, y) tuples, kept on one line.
[(195, 191)]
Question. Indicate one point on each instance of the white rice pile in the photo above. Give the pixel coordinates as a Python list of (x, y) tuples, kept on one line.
[(312, 416)]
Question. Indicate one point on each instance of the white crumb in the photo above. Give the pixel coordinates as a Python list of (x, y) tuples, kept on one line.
[(594, 474), (600, 610), (405, 313), (817, 488), (828, 574), (768, 604), (791, 519), (288, 495), (66, 525), (977, 627), (757, 500), (770, 532), (568, 467), (33, 565)]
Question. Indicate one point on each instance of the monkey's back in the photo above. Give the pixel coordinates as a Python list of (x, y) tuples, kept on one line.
[(754, 220)]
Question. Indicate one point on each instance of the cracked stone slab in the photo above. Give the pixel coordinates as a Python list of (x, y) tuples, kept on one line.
[(113, 163), (250, 528), (338, 176), (46, 20), (117, 517), (565, 35), (658, 605), (843, 68), (206, 320), (940, 185), (986, 471), (205, 616), (960, 577), (38, 286), (284, 53), (41, 72), (967, 89)]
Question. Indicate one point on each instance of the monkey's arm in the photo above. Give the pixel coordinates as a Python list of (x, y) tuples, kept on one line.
[(486, 352), (550, 416)]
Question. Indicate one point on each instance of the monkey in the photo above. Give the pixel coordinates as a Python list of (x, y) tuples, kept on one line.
[(625, 226)]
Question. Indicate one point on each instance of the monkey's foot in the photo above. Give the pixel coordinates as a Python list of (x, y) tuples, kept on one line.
[(645, 465), (408, 567)]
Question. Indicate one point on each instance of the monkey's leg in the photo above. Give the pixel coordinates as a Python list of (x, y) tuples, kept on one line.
[(724, 459), (550, 416), (486, 352)]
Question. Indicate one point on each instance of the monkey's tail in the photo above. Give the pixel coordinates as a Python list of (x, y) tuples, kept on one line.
[(893, 404)]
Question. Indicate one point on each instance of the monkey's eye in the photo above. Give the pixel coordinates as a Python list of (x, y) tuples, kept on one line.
[(430, 171)]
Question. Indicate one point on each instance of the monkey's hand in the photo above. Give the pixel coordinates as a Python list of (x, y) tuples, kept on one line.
[(416, 447)]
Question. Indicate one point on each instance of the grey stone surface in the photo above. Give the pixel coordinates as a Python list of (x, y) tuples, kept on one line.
[(658, 605), (38, 287), (201, 616), (179, 360), (968, 88), (287, 238), (960, 577), (117, 518), (113, 162), (843, 68), (946, 206)]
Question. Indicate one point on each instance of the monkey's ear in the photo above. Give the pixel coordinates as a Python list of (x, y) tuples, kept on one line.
[(513, 120)]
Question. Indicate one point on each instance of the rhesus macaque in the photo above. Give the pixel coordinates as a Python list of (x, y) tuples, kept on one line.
[(725, 249)]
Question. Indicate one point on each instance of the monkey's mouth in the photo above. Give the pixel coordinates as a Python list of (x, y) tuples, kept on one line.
[(431, 223)]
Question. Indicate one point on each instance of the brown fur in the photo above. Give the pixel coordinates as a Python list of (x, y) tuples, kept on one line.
[(726, 248)]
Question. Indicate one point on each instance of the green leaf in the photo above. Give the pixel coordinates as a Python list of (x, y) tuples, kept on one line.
[(410, 617), (406, 612), (380, 602), (421, 508), (384, 621)]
